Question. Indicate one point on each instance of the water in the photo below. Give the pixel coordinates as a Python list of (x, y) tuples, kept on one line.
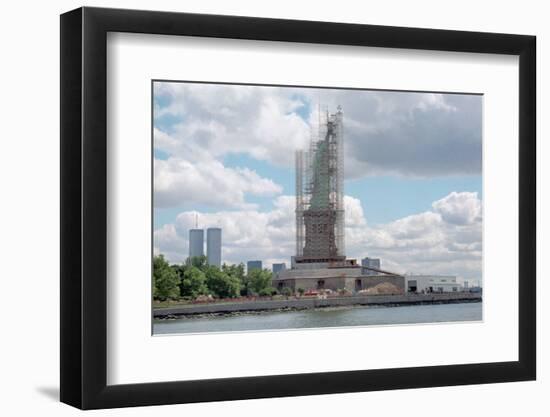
[(326, 317)]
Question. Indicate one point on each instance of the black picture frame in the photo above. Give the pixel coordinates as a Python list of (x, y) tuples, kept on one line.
[(84, 207)]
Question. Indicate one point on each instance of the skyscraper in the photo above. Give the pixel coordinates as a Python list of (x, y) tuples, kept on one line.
[(278, 267), (368, 263), (214, 246), (252, 265), (196, 242)]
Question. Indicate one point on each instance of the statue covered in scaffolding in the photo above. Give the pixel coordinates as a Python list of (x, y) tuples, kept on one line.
[(319, 193), (320, 263)]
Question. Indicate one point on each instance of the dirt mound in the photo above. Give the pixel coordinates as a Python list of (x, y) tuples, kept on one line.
[(382, 288)]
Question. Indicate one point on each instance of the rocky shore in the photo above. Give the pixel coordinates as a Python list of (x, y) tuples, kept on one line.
[(267, 306)]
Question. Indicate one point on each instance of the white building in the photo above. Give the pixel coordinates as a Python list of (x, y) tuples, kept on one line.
[(432, 283)]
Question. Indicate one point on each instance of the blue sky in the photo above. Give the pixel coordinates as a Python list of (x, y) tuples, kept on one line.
[(227, 152)]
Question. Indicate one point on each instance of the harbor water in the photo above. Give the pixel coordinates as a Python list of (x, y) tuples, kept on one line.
[(323, 317)]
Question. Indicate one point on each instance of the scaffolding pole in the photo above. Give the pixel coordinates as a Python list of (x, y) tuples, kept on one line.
[(320, 192)]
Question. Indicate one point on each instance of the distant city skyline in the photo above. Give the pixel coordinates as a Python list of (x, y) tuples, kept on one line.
[(413, 188), (213, 244)]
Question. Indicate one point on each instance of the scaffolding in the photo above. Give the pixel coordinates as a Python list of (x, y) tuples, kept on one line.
[(320, 192)]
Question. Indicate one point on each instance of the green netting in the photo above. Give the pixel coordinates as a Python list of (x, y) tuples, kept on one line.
[(321, 179)]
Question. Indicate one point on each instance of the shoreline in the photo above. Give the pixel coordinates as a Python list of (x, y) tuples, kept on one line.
[(293, 309), (269, 306)]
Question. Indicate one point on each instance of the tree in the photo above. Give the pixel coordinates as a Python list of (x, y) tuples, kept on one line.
[(258, 279), (200, 262), (165, 280), (179, 268), (193, 282), (268, 292), (221, 284), (287, 291), (237, 271)]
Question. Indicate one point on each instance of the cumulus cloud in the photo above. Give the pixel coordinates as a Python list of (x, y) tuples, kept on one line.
[(228, 119), (353, 211), (459, 208), (445, 240), (386, 133), (246, 234), (182, 183), (170, 243), (428, 242), (410, 134)]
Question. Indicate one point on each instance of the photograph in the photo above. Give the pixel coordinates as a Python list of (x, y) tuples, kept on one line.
[(290, 207), (268, 206)]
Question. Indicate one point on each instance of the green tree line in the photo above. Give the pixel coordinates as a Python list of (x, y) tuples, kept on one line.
[(196, 277)]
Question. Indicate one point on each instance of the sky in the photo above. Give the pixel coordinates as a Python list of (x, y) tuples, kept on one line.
[(224, 154)]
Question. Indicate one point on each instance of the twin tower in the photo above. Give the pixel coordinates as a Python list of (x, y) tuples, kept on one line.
[(213, 244)]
